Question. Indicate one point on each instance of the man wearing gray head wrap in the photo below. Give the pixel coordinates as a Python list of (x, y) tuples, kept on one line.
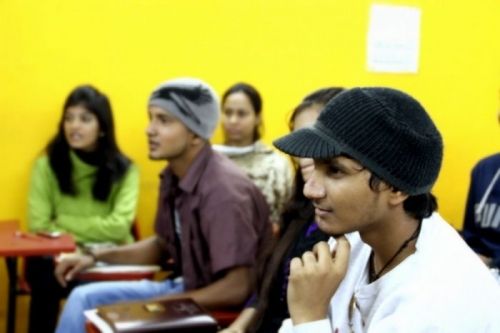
[(211, 221), (192, 101)]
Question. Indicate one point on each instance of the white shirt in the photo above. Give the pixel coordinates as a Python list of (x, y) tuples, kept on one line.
[(442, 287)]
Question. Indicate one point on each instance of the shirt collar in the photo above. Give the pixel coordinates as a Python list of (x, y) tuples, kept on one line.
[(193, 175)]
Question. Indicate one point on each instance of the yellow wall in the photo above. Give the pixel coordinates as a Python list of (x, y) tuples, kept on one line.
[(285, 47)]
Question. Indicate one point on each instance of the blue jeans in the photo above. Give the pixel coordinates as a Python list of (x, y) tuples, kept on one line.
[(92, 295)]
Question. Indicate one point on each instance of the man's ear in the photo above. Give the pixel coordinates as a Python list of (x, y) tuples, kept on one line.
[(196, 140), (397, 197)]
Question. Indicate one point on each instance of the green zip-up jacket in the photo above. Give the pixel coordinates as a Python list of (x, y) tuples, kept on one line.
[(87, 219)]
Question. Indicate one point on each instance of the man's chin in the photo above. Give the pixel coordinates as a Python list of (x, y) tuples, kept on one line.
[(329, 227), (155, 157)]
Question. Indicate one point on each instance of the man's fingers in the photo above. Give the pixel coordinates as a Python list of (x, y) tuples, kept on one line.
[(75, 270), (342, 254), (308, 258), (321, 261), (61, 280), (67, 268), (71, 273), (322, 252), (340, 257), (295, 264), (59, 273)]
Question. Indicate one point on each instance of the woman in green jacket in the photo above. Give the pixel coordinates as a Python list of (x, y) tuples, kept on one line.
[(84, 186)]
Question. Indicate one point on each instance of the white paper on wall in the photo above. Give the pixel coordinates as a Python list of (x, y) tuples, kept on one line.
[(393, 39)]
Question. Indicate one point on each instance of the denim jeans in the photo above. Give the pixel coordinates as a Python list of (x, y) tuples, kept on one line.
[(92, 295)]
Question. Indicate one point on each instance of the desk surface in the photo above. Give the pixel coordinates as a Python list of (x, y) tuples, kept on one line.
[(14, 244)]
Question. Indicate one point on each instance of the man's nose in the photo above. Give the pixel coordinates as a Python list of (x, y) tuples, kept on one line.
[(313, 189), (149, 129)]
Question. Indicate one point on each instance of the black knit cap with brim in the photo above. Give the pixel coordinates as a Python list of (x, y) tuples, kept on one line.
[(384, 129)]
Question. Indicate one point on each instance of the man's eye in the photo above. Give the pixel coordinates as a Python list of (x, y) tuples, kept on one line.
[(333, 170), (166, 120)]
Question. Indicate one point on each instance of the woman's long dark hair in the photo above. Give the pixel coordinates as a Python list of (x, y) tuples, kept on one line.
[(111, 163), (297, 213)]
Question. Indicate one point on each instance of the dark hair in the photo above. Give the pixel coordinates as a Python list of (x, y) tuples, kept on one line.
[(418, 206), (319, 97), (299, 206), (255, 99), (297, 213), (111, 163)]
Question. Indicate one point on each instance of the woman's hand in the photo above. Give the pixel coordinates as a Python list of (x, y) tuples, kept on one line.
[(313, 280), (71, 264)]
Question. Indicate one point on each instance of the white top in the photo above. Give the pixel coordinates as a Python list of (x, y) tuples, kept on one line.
[(234, 151), (442, 287)]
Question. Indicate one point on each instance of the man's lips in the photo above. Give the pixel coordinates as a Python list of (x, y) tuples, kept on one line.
[(321, 211), (153, 145)]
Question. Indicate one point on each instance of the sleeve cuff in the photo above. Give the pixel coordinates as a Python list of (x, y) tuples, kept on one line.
[(317, 326)]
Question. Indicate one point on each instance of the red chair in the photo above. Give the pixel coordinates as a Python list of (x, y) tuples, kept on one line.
[(90, 328), (225, 317)]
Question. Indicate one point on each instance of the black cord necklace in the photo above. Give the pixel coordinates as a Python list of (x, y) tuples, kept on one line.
[(371, 267)]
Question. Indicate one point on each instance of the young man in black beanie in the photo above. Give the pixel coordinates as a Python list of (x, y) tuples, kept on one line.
[(399, 267), (211, 220)]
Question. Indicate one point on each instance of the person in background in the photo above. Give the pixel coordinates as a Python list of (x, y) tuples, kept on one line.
[(481, 228), (212, 222), (399, 266), (268, 308), (83, 185), (241, 123)]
